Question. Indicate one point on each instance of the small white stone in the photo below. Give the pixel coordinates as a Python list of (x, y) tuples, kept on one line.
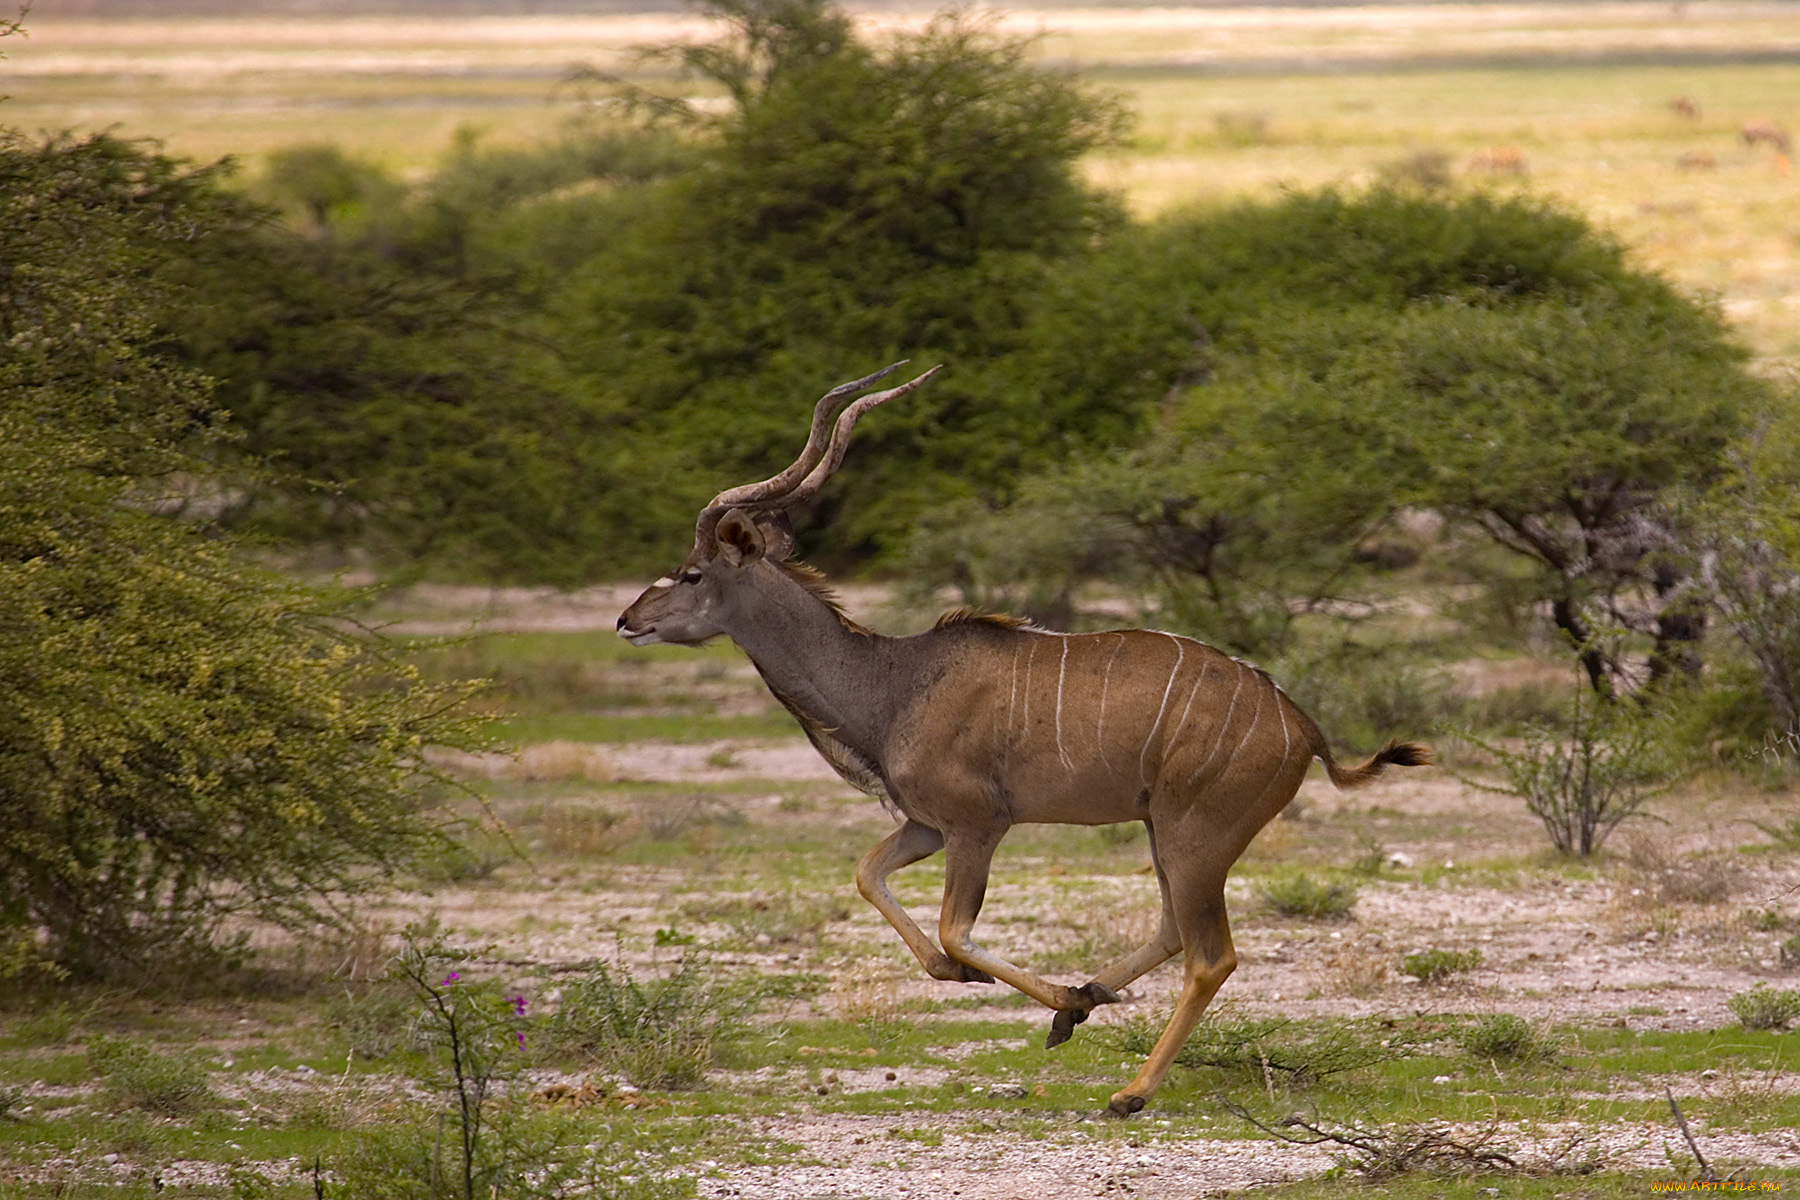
[(1440, 1079)]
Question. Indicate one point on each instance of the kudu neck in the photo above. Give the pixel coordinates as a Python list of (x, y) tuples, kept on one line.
[(809, 657)]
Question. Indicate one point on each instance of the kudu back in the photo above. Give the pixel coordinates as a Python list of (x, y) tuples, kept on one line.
[(985, 722)]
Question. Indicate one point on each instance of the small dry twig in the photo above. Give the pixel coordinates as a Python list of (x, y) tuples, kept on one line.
[(1706, 1171), (1384, 1153)]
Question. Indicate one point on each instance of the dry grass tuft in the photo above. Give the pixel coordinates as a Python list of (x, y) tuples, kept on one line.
[(1667, 879), (868, 991), (587, 829), (548, 761), (1358, 969)]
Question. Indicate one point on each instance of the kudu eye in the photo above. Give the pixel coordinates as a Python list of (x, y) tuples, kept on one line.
[(690, 576)]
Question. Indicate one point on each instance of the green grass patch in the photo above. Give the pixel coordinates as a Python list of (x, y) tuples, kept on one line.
[(1438, 966), (1306, 898), (138, 1076)]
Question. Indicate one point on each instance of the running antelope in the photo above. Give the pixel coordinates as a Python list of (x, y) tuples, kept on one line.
[(985, 722)]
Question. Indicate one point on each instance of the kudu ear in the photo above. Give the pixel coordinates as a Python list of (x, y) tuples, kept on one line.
[(741, 542), (778, 535)]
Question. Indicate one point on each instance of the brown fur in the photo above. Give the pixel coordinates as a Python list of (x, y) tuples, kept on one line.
[(814, 581)]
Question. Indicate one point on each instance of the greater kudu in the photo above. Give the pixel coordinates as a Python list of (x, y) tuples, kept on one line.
[(985, 722)]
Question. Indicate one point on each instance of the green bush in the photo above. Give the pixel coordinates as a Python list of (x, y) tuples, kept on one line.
[(659, 1033), (1764, 1007), (187, 738), (1505, 1036), (138, 1077), (1436, 966), (1304, 896), (861, 203)]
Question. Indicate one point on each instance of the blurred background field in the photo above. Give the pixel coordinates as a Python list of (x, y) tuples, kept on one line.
[(1343, 372), (1575, 101)]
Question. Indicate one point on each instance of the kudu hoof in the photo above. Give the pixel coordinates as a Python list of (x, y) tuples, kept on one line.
[(1124, 1104), (1062, 1026), (1098, 994)]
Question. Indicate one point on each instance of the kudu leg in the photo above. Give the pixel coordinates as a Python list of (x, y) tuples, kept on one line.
[(967, 857), (1210, 959), (1107, 982), (1153, 953), (905, 846)]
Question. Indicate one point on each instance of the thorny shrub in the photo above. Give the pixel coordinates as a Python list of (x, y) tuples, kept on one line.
[(1582, 784), (137, 1076)]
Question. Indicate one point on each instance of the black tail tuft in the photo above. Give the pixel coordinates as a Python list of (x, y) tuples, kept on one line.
[(1405, 754)]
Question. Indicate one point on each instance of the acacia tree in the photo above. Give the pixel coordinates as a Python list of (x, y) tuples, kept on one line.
[(185, 737), (1561, 431), (1336, 358)]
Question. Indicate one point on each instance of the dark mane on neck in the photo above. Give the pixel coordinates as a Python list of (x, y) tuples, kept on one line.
[(814, 581), (967, 615)]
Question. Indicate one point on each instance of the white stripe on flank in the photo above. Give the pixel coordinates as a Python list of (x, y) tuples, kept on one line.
[(1223, 726), (1029, 658), (1012, 697), (1287, 739), (1105, 682), (1180, 653), (1062, 669), (1254, 717), (1181, 721)]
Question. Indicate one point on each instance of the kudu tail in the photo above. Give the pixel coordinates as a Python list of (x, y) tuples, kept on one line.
[(1400, 754)]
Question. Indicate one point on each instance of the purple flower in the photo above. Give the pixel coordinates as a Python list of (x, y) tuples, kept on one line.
[(519, 1003), (449, 979), (521, 1036)]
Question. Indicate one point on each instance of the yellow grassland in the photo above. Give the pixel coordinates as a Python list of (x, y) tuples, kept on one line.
[(1568, 100)]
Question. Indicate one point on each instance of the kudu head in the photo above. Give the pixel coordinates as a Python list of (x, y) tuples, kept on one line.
[(745, 529)]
